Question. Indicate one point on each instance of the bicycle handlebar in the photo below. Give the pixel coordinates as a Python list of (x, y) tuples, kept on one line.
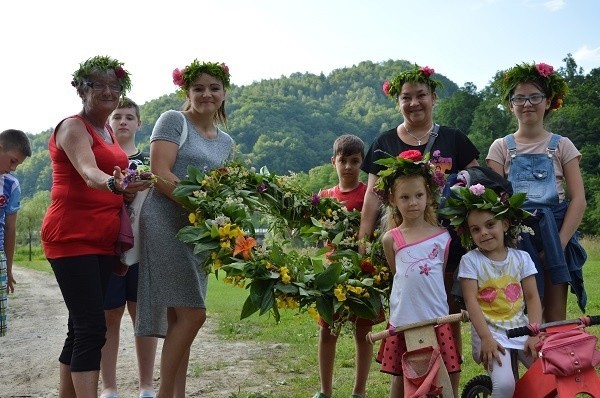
[(462, 316), (526, 331)]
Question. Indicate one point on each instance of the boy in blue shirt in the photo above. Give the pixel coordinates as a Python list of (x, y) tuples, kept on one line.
[(14, 148)]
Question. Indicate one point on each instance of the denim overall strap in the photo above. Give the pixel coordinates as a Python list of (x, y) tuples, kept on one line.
[(511, 145)]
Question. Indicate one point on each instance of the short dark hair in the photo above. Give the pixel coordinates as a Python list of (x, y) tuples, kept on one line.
[(347, 145), (12, 139), (127, 102)]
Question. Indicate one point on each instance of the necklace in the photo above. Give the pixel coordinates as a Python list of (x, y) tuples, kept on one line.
[(418, 139)]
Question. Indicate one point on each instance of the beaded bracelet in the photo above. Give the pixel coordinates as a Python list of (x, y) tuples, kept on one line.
[(110, 183)]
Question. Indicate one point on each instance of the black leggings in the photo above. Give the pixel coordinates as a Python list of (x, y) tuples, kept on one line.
[(83, 281)]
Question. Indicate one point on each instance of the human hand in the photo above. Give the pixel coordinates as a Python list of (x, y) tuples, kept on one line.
[(530, 346), (11, 282), (133, 180), (490, 351)]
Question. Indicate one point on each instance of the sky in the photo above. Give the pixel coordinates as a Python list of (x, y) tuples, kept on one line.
[(42, 42)]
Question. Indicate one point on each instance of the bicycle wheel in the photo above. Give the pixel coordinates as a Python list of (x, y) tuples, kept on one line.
[(478, 387)]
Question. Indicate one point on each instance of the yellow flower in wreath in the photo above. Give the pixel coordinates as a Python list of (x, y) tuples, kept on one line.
[(285, 276), (312, 312), (225, 232), (192, 218), (340, 293)]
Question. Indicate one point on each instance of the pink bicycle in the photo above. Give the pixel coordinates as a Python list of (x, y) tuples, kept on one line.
[(565, 368)]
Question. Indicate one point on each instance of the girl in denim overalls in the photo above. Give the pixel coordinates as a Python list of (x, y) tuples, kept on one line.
[(536, 162)]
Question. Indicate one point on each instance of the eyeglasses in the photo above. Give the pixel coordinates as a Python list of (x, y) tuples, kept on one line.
[(533, 99), (97, 86)]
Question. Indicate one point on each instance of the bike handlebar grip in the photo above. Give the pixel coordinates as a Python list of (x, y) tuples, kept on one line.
[(517, 332), (594, 319), (373, 337)]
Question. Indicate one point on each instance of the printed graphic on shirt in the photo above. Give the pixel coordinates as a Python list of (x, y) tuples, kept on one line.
[(440, 162)]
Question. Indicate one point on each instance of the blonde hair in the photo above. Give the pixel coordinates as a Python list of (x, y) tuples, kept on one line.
[(392, 217)]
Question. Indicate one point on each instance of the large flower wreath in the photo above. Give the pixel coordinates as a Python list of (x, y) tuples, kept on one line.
[(324, 275)]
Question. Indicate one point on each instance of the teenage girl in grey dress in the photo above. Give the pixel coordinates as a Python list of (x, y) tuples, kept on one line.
[(172, 286)]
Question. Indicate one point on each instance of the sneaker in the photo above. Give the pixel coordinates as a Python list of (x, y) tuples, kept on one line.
[(320, 395)]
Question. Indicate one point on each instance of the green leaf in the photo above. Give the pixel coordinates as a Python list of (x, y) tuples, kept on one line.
[(204, 247), (249, 308), (326, 280), (325, 308)]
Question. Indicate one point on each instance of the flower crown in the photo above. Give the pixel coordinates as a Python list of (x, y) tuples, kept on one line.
[(186, 76), (543, 75), (392, 88), (478, 197), (408, 163), (101, 63)]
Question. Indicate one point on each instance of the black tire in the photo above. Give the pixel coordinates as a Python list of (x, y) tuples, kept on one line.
[(478, 387)]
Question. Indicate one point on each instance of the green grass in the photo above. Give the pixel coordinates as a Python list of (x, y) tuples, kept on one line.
[(291, 364)]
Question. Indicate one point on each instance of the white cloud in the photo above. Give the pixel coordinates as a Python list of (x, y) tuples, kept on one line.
[(587, 58), (555, 5), (587, 54)]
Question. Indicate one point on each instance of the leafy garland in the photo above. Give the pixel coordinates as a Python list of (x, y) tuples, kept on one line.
[(186, 76), (393, 88), (543, 75), (101, 63), (478, 197), (333, 280)]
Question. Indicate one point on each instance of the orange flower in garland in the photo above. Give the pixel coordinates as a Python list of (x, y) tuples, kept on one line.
[(244, 245)]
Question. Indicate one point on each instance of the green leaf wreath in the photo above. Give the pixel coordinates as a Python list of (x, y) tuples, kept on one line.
[(324, 275)]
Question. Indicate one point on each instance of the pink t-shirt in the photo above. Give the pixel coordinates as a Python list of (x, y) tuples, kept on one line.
[(565, 152)]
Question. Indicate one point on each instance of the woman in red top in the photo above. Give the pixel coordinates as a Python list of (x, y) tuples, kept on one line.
[(81, 225)]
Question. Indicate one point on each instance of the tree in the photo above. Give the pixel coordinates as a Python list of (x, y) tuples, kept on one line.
[(29, 219), (459, 109)]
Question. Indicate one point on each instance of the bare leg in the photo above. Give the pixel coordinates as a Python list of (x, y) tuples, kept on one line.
[(181, 376), (555, 301), (326, 354), (397, 390), (364, 357), (184, 324), (145, 349), (455, 381), (110, 351), (66, 388), (86, 383)]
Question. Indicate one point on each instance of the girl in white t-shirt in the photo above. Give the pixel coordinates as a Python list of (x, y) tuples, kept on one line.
[(497, 280)]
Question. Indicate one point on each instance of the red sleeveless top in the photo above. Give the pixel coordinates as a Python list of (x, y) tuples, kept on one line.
[(82, 220)]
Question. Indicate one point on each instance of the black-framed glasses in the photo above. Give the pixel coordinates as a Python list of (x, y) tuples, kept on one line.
[(534, 99), (97, 86)]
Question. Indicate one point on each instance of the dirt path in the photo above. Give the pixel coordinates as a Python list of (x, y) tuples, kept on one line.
[(37, 327)]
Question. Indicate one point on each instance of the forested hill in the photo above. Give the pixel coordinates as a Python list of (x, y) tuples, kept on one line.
[(290, 123)]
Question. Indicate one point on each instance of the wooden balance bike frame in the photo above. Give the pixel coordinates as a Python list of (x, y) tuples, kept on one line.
[(420, 335)]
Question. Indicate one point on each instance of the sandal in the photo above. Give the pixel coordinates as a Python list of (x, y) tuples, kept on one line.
[(147, 394)]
